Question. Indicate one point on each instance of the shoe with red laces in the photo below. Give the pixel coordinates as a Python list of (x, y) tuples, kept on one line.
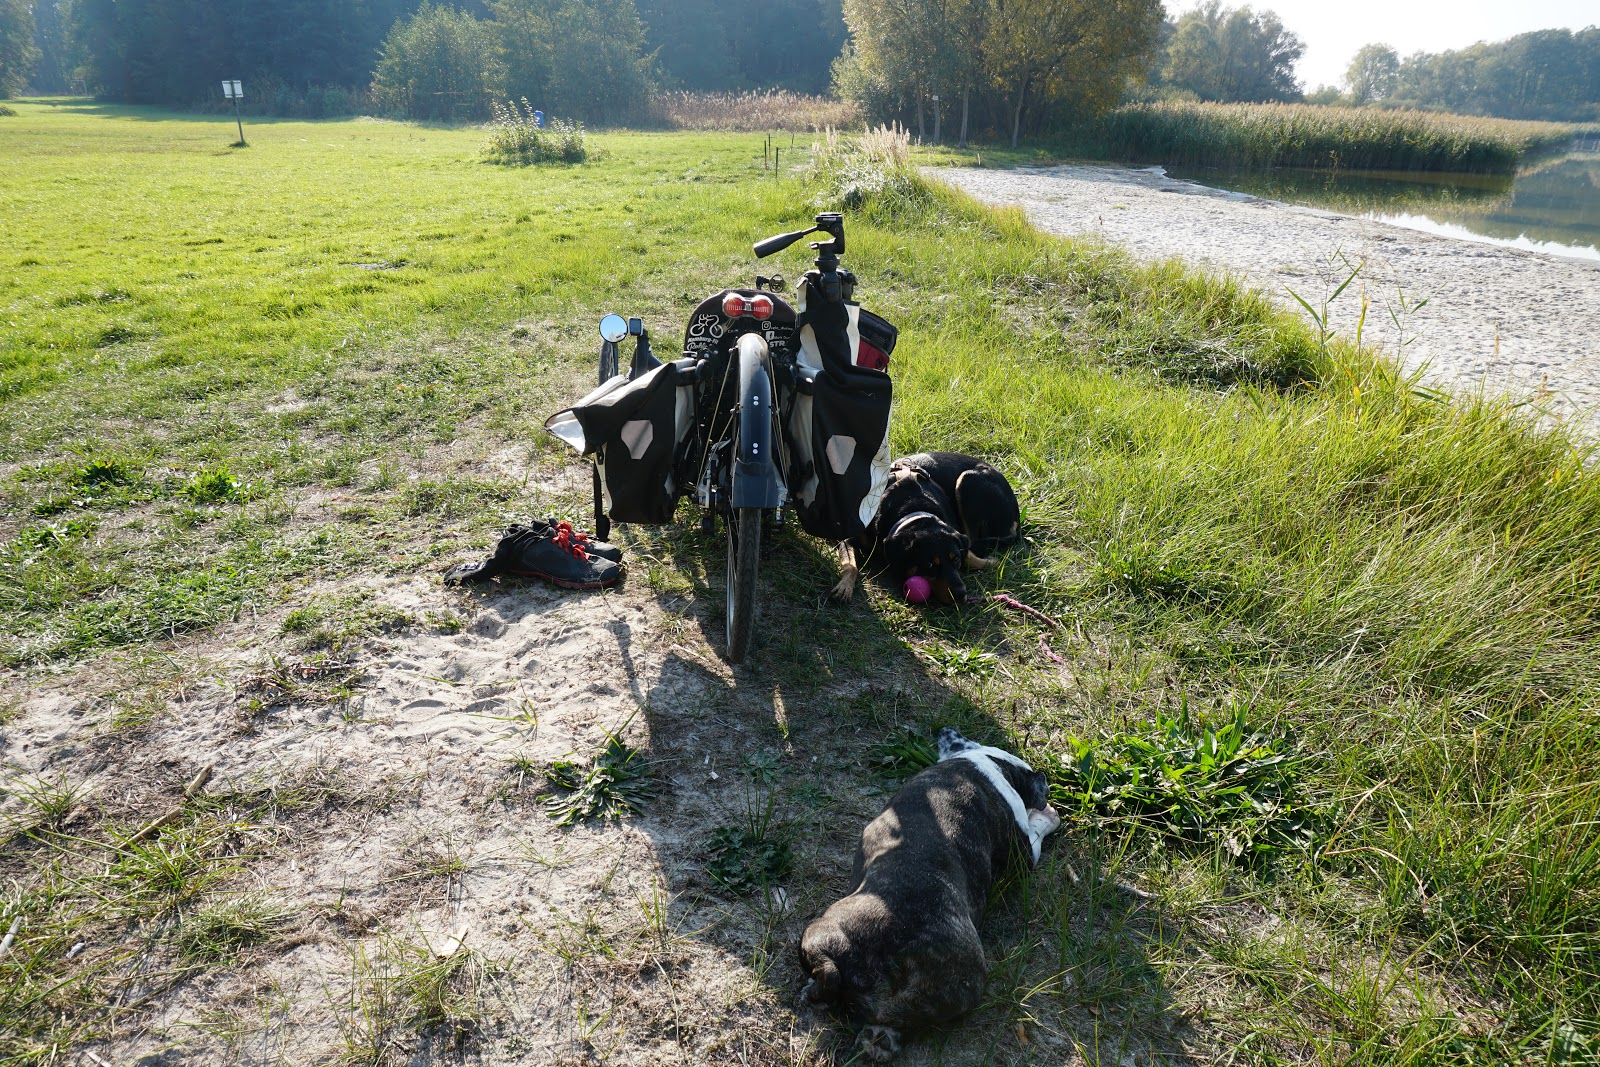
[(590, 545), (555, 553)]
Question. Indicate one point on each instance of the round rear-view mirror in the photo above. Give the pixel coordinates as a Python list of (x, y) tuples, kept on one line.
[(613, 328)]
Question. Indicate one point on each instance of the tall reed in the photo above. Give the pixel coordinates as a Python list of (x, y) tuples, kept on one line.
[(1301, 135)]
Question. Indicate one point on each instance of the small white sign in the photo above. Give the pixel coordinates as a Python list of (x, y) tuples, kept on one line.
[(227, 89), (232, 90), (238, 90)]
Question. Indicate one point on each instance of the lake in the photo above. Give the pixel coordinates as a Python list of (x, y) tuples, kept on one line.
[(1553, 207)]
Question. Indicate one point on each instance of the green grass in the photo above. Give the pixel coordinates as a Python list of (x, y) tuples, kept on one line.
[(1247, 136), (286, 364)]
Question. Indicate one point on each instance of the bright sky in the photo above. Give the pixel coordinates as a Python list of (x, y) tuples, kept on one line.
[(1332, 32)]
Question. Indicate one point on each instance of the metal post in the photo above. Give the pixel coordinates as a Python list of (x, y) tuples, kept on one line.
[(237, 117)]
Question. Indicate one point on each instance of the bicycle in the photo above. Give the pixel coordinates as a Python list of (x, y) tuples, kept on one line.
[(772, 408)]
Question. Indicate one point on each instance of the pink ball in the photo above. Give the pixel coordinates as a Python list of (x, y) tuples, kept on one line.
[(918, 590)]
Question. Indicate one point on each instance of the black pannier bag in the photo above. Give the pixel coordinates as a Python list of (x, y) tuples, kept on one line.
[(838, 430), (633, 430)]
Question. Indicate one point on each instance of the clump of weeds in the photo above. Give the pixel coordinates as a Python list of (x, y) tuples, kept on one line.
[(615, 782)]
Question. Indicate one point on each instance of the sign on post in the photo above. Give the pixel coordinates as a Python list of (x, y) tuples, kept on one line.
[(234, 91)]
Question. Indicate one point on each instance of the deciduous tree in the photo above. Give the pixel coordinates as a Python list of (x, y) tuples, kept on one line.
[(1079, 54), (18, 54), (575, 58), (1233, 54), (440, 64), (1372, 74)]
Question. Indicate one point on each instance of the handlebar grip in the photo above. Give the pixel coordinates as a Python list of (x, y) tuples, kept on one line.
[(763, 249)]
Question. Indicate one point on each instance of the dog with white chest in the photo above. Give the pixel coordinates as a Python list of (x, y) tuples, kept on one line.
[(902, 952)]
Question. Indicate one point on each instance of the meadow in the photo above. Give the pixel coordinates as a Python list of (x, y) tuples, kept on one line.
[(1324, 138), (1319, 709)]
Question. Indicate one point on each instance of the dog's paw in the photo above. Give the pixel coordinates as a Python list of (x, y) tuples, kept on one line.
[(976, 562), (845, 590), (1043, 821), (879, 1043)]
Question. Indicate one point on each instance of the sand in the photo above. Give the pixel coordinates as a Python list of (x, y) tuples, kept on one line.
[(1525, 323)]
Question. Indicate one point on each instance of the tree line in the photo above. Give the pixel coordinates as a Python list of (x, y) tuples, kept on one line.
[(1001, 64), (1546, 74), (590, 59), (1033, 65)]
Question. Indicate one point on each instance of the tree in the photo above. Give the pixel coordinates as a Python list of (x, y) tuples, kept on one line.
[(1372, 74), (18, 53), (919, 48), (440, 64), (51, 22), (576, 58), (1546, 74), (1077, 53), (1233, 55), (723, 45)]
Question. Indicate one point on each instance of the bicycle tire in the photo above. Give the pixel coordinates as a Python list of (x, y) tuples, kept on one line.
[(744, 564)]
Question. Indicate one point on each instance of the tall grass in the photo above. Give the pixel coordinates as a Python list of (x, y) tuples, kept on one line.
[(752, 112), (517, 137), (1407, 584), (1301, 135)]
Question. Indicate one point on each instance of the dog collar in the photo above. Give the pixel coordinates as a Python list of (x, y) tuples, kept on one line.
[(909, 519)]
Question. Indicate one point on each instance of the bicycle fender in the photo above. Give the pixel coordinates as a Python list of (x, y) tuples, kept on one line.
[(756, 481)]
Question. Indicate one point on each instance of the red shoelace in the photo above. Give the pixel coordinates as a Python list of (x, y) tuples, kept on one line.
[(572, 540)]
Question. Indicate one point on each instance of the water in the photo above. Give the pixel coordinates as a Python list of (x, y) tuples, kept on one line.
[(1553, 207)]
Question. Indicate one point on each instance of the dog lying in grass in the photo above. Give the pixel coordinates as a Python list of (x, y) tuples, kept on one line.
[(942, 513), (901, 952)]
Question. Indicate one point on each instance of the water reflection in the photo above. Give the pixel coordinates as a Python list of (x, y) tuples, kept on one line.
[(1554, 207)]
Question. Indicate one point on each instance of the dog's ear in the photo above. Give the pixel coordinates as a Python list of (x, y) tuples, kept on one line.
[(825, 982), (1038, 791)]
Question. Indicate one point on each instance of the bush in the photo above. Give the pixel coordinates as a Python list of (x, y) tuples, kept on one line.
[(5, 111), (515, 140)]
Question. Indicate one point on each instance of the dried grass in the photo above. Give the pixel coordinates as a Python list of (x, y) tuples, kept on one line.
[(753, 111)]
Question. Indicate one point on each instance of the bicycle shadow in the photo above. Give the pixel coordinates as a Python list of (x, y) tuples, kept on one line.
[(796, 750)]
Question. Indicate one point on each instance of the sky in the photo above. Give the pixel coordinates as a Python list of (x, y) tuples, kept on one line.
[(1332, 32)]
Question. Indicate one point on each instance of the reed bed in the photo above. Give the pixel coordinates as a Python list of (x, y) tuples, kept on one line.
[(1324, 138), (753, 111)]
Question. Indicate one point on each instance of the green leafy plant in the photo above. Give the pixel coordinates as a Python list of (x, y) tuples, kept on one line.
[(616, 782), (215, 486), (746, 857), (107, 470), (1195, 782), (963, 662), (742, 860), (905, 753)]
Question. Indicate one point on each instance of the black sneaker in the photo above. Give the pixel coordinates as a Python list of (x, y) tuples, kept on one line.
[(557, 554), (554, 552), (590, 545)]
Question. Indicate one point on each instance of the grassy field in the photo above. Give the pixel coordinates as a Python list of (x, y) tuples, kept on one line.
[(1326, 138), (1320, 712)]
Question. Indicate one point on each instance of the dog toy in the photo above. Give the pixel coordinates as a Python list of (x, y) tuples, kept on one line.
[(918, 590)]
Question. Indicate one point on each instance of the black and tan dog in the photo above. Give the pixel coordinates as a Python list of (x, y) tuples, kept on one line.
[(942, 513), (901, 952)]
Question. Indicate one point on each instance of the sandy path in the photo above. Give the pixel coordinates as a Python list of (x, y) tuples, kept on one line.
[(1509, 319)]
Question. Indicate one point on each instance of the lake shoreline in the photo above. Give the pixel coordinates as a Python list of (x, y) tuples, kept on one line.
[(1471, 314)]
